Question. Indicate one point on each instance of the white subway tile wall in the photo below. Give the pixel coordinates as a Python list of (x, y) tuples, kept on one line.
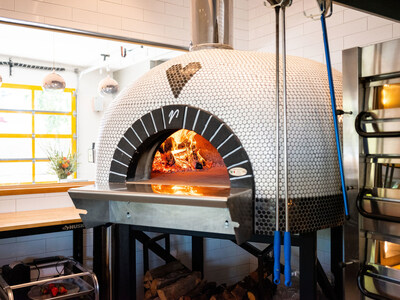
[(165, 21), (346, 28)]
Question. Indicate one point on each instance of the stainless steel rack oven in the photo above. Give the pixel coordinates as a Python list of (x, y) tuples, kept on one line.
[(371, 90)]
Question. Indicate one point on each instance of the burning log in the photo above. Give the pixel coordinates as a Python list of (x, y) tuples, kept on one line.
[(180, 287), (185, 151)]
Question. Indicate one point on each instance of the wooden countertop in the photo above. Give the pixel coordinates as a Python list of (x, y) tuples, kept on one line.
[(7, 190), (39, 218)]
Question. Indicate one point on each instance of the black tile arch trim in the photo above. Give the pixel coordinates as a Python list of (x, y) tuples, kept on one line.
[(152, 127)]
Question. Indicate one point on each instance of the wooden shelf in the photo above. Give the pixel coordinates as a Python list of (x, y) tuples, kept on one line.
[(39, 218), (41, 188)]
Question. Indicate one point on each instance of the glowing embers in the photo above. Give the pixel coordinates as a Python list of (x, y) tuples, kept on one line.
[(185, 151), (188, 190)]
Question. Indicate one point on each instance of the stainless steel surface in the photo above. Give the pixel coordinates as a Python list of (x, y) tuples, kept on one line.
[(380, 59), (87, 33), (369, 225), (137, 204), (352, 93), (370, 163), (385, 120), (382, 287), (386, 279), (212, 24)]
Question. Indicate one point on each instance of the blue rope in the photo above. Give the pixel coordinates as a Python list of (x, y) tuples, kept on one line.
[(335, 122)]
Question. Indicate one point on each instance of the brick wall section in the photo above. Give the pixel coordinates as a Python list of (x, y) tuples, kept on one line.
[(164, 21)]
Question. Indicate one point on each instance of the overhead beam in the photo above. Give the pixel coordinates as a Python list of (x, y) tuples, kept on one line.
[(389, 9)]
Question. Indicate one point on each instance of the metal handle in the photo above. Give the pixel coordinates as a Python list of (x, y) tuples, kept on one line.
[(287, 251), (371, 215), (361, 117), (277, 257), (366, 271)]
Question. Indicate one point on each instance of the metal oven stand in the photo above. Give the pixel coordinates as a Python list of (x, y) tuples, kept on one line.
[(119, 282)]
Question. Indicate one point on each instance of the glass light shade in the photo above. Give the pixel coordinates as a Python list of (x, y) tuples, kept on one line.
[(108, 86), (53, 81)]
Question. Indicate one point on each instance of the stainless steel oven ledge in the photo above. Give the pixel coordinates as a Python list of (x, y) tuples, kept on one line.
[(221, 210)]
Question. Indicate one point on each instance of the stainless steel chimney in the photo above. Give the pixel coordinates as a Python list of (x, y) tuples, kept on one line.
[(212, 24)]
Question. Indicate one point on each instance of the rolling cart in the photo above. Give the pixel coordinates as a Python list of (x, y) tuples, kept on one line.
[(80, 282)]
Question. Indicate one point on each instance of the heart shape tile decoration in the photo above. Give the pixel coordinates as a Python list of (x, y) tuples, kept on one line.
[(178, 76)]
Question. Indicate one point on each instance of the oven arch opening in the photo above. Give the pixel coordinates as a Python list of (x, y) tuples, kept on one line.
[(133, 157), (187, 157)]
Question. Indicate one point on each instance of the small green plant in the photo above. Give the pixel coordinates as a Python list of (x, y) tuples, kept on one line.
[(60, 164)]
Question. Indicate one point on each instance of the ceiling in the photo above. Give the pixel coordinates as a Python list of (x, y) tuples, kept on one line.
[(73, 50)]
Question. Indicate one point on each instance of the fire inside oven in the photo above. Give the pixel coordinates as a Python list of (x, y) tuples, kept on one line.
[(186, 157)]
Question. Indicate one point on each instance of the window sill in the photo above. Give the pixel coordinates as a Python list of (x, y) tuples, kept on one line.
[(40, 188)]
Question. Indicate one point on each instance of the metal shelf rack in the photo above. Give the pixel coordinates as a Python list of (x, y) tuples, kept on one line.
[(66, 270)]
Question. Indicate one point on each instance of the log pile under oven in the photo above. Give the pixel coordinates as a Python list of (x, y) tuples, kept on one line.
[(174, 281)]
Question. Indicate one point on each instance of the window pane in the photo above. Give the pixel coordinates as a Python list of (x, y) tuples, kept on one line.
[(42, 146), (15, 99), (15, 123), (11, 172), (52, 124), (15, 148), (43, 172), (53, 101)]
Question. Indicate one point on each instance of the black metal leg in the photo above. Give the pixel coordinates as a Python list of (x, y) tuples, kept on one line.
[(198, 254), (100, 261), (145, 257), (77, 240), (132, 262), (121, 264), (149, 243), (324, 283), (308, 266), (336, 259)]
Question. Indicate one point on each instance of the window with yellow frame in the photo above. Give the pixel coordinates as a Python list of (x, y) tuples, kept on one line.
[(32, 122)]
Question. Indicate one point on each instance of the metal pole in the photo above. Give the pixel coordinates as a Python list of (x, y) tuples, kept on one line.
[(287, 242), (277, 234)]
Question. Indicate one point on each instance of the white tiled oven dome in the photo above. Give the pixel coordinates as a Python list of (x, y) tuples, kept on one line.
[(239, 88)]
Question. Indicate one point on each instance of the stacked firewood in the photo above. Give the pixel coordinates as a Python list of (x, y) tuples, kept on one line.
[(174, 281)]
